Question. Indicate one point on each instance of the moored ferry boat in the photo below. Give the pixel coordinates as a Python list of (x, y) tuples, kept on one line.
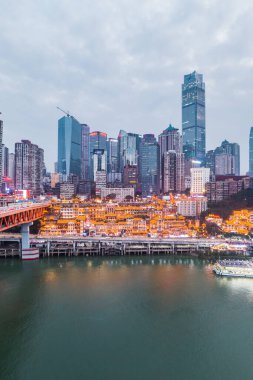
[(234, 268)]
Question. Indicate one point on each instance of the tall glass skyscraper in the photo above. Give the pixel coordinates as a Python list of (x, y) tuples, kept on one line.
[(69, 146), (85, 149), (149, 165), (251, 152), (97, 152), (128, 149), (1, 151), (112, 155), (193, 117)]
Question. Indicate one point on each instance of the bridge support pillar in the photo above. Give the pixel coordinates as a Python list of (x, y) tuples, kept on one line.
[(27, 252), (25, 235)]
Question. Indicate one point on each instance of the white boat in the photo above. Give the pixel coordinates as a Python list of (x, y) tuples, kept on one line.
[(234, 268)]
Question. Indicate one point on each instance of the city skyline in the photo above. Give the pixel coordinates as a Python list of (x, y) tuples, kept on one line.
[(128, 74)]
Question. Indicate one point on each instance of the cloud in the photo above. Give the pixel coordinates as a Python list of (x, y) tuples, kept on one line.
[(120, 65)]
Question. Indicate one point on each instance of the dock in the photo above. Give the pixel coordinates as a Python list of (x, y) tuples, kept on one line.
[(98, 246)]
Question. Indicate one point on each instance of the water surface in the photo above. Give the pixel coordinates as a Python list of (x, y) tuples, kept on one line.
[(126, 319)]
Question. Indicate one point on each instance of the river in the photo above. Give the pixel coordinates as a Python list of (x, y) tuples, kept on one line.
[(123, 318)]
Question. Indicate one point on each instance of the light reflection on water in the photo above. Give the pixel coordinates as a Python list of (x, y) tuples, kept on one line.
[(123, 318)]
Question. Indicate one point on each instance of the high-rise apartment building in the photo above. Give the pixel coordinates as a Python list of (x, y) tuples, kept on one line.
[(69, 146), (193, 117), (130, 176), (251, 152), (224, 186), (199, 178), (149, 165), (11, 166), (100, 180), (173, 172), (29, 167)]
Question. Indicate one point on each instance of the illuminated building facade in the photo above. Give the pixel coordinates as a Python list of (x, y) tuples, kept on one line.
[(199, 178), (191, 206), (118, 194)]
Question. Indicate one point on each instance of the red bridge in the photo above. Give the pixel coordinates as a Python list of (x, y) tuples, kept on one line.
[(15, 215), (24, 215), (18, 214)]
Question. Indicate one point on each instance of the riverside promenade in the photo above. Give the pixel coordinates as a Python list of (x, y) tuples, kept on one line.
[(10, 245)]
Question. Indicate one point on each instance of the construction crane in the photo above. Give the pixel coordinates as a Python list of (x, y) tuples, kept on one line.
[(66, 113)]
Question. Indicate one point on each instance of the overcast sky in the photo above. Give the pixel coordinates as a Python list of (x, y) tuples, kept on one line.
[(119, 64)]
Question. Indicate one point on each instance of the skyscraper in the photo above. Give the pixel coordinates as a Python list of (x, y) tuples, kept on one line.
[(149, 171), (251, 152), (128, 149), (97, 141), (193, 117), (85, 152), (5, 161), (170, 139), (112, 155), (98, 152), (210, 161), (226, 159), (11, 166), (173, 172), (224, 164), (29, 167), (1, 152), (69, 146)]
